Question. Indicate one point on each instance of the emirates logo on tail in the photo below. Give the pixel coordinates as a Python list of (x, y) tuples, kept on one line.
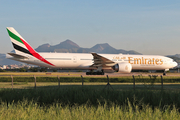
[(21, 46)]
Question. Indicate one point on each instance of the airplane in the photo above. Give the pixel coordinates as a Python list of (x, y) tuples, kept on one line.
[(94, 63)]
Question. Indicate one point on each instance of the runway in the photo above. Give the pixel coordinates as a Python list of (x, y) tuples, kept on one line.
[(79, 74), (116, 74)]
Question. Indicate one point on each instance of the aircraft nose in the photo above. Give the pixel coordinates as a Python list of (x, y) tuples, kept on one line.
[(175, 64)]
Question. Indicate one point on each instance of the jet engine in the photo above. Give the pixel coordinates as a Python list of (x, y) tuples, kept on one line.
[(122, 67)]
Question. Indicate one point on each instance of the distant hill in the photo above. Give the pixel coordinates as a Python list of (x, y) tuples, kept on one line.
[(63, 47), (68, 46), (5, 61), (175, 57)]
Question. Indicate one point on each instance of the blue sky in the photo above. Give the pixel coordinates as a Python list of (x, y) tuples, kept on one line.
[(148, 27)]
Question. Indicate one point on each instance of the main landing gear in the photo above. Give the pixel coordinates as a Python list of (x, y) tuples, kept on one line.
[(95, 73), (164, 73)]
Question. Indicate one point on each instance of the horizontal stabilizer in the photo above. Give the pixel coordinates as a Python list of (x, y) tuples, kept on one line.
[(18, 56)]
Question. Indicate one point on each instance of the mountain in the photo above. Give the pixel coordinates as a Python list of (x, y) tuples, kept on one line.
[(104, 48), (70, 47), (5, 61), (67, 44), (43, 47), (175, 57), (63, 47)]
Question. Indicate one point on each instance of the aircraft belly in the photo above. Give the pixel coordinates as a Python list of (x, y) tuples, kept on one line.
[(149, 67)]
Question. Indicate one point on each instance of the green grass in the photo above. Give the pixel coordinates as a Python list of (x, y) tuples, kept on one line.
[(92, 101), (75, 102), (127, 79), (93, 94), (31, 110), (99, 85), (89, 102)]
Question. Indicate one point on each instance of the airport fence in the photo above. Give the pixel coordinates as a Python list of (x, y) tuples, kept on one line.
[(124, 79), (128, 79)]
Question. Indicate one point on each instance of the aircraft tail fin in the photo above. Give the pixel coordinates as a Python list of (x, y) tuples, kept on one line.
[(21, 47)]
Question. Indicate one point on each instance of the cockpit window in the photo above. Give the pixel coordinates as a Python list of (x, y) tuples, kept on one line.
[(168, 60)]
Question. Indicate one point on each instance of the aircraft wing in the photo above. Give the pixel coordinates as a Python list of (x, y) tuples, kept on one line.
[(100, 61)]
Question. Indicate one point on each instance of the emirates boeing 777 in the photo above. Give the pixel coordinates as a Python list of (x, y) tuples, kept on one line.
[(96, 64)]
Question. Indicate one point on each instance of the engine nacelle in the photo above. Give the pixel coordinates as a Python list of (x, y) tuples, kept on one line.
[(122, 67)]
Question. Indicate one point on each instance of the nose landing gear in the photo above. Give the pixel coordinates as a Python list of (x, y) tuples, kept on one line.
[(164, 73)]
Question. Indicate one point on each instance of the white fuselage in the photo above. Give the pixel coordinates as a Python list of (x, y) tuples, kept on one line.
[(101, 62), (84, 61)]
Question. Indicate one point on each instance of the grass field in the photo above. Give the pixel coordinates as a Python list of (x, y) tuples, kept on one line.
[(100, 85), (76, 77), (91, 101), (31, 111)]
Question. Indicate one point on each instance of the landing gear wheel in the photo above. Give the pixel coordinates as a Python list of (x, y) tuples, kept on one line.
[(98, 73), (88, 73), (94, 73), (164, 73)]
